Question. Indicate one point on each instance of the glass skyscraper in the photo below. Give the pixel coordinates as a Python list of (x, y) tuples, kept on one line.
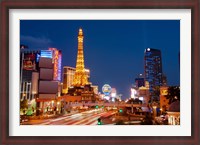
[(153, 68)]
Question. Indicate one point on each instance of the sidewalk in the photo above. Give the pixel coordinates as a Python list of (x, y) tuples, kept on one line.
[(46, 117)]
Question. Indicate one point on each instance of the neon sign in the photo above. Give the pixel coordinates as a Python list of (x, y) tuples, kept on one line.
[(57, 58)]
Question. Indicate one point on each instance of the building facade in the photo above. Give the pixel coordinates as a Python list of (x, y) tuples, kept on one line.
[(143, 94), (56, 56), (68, 77), (174, 113), (153, 68), (40, 75), (164, 79), (96, 89), (29, 63), (139, 81), (48, 88), (164, 102)]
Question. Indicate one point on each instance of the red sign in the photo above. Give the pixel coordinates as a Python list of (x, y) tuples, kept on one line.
[(29, 62)]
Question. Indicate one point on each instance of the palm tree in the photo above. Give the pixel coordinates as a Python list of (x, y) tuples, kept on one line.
[(23, 105), (173, 94)]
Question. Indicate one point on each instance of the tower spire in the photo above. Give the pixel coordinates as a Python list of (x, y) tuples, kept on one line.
[(80, 77)]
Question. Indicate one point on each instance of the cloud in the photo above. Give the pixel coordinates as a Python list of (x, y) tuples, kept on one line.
[(35, 41)]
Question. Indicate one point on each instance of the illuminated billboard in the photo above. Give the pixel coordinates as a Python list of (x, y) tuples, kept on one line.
[(106, 89), (133, 93), (46, 53), (163, 92), (57, 59), (59, 65), (29, 61)]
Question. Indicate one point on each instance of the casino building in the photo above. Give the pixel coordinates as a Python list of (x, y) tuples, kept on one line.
[(68, 77), (29, 64), (76, 81), (30, 70)]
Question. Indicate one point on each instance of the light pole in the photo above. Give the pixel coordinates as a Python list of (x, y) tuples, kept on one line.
[(161, 111), (154, 111), (131, 107)]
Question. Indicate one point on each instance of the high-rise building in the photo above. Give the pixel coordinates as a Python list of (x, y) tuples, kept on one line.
[(68, 77), (29, 67), (153, 68), (164, 79), (80, 77), (48, 89), (28, 64), (139, 81), (56, 56)]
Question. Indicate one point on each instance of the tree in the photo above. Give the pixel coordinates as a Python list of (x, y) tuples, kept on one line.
[(173, 94), (23, 105)]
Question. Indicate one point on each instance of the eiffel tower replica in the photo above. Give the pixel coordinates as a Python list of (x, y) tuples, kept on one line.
[(80, 77), (81, 86)]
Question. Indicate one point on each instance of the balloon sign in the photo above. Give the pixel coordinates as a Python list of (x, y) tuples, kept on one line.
[(106, 89)]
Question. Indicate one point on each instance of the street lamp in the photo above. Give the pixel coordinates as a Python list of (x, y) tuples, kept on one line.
[(154, 111), (132, 107), (161, 110)]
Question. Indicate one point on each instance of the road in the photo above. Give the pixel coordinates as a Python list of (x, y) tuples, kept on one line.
[(84, 118)]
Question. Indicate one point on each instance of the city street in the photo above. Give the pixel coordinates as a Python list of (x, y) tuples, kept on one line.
[(84, 118)]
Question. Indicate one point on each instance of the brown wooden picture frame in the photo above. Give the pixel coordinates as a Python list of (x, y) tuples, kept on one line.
[(6, 5)]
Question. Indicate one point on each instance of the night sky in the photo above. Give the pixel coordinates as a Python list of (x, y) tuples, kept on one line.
[(113, 49)]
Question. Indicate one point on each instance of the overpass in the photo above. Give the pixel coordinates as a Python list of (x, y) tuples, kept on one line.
[(105, 104)]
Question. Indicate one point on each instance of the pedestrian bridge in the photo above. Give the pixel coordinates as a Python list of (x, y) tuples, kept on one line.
[(106, 104)]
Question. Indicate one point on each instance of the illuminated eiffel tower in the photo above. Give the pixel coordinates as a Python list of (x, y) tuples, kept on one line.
[(80, 77)]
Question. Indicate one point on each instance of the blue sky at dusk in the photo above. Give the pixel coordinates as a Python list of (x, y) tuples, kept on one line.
[(113, 49)]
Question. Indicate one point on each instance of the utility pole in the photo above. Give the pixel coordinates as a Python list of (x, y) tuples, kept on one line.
[(131, 107)]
